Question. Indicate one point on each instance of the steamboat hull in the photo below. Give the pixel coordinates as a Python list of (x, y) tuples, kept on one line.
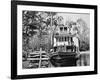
[(64, 59)]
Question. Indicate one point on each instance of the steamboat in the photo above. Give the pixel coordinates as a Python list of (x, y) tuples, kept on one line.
[(65, 48)]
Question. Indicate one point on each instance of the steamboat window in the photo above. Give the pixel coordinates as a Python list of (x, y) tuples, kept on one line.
[(62, 39), (65, 39), (59, 39), (65, 28), (61, 28)]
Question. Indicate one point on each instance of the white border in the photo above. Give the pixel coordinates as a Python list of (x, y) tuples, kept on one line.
[(21, 71)]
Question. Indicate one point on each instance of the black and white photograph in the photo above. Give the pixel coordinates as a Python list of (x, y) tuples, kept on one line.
[(53, 39)]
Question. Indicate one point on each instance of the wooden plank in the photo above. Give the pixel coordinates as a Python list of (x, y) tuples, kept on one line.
[(36, 52), (38, 55), (40, 60), (37, 58), (34, 56)]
